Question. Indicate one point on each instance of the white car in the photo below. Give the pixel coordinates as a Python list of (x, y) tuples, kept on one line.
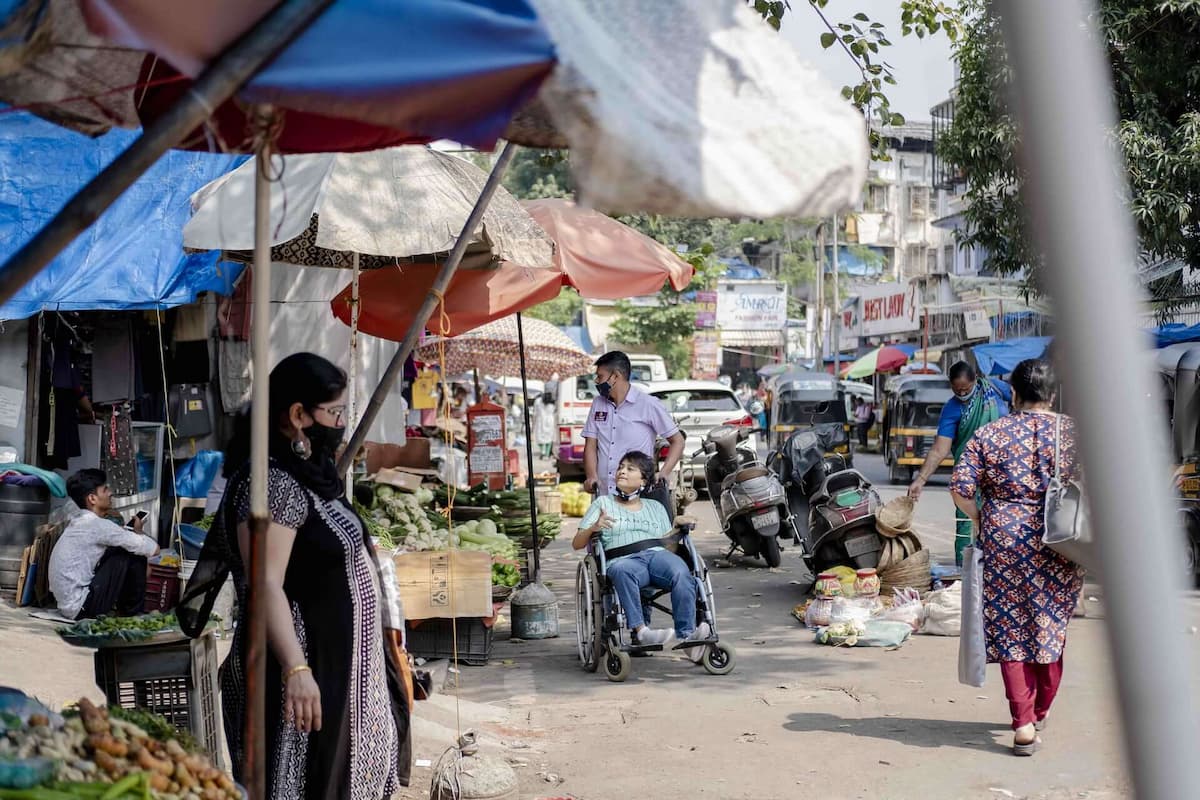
[(698, 407)]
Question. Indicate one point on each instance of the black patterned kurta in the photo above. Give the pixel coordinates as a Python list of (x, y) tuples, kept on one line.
[(336, 607), (1029, 591)]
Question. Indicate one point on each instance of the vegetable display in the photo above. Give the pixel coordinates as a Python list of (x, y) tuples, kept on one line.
[(127, 629), (106, 757)]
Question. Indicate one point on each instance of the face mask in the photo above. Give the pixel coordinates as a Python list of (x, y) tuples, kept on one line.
[(627, 496), (605, 389), (324, 439)]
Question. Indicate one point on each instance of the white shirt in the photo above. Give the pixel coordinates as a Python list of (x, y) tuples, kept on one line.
[(78, 552)]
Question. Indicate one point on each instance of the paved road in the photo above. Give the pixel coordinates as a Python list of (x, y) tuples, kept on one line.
[(793, 719)]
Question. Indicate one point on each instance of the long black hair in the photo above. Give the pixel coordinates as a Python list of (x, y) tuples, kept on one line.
[(304, 378)]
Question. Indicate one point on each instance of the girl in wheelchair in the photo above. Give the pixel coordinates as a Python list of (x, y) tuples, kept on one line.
[(629, 528)]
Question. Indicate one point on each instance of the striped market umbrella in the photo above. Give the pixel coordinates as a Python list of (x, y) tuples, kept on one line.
[(881, 359), (495, 349)]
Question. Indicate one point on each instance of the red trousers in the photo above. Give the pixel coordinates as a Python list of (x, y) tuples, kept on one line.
[(1030, 689)]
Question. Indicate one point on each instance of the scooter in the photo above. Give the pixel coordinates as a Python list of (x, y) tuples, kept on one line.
[(833, 507), (750, 502)]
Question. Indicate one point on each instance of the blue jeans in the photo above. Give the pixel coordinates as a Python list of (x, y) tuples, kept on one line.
[(661, 568)]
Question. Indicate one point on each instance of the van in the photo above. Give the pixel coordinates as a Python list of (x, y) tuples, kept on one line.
[(647, 368), (575, 396)]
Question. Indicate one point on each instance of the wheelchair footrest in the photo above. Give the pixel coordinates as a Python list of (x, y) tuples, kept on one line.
[(696, 643), (634, 649)]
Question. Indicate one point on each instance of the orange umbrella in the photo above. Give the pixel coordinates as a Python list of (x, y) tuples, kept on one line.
[(389, 298), (605, 259)]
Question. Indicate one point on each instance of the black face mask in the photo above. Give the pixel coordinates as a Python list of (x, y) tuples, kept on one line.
[(605, 389), (324, 439)]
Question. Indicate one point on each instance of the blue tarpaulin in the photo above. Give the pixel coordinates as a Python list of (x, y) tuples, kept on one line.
[(737, 269), (1175, 333), (132, 257), (1001, 358)]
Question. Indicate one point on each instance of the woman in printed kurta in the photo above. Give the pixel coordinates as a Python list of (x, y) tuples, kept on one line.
[(1029, 591)]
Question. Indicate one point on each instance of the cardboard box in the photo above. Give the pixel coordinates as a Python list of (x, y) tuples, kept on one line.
[(413, 454), (445, 584), (404, 481)]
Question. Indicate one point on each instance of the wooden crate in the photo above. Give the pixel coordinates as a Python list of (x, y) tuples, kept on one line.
[(445, 584)]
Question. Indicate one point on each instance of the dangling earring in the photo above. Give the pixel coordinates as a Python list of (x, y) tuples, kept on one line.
[(301, 447)]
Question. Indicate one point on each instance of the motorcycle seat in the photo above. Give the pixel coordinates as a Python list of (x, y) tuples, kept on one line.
[(745, 474), (839, 482)]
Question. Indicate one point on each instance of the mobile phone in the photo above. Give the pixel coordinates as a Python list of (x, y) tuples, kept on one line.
[(142, 514)]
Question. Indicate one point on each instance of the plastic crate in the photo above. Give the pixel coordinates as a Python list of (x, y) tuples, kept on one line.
[(162, 588), (434, 638), (177, 680)]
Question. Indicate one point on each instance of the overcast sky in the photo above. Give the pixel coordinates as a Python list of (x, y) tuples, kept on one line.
[(922, 67)]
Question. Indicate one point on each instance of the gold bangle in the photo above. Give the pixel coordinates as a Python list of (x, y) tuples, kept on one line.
[(294, 671)]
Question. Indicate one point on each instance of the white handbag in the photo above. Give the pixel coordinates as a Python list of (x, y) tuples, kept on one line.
[(1067, 531)]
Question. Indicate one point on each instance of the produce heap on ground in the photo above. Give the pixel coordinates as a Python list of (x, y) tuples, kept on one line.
[(408, 521), (99, 753)]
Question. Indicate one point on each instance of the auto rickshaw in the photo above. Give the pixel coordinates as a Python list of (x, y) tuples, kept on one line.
[(1179, 367), (809, 400), (912, 406)]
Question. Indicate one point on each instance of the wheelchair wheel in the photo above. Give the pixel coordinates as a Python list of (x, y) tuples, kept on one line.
[(718, 659), (617, 665), (588, 614)]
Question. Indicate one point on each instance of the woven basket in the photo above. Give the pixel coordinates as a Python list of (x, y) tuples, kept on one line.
[(913, 571), (896, 516)]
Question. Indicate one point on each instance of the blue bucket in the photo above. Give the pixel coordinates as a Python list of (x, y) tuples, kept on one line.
[(193, 540)]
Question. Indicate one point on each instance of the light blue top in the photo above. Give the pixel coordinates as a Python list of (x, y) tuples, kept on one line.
[(629, 527)]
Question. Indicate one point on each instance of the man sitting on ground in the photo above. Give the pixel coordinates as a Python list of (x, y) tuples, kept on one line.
[(97, 566)]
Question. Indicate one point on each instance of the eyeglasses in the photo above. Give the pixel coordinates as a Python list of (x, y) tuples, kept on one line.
[(337, 412)]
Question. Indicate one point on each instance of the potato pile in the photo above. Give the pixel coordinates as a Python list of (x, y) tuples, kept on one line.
[(94, 747)]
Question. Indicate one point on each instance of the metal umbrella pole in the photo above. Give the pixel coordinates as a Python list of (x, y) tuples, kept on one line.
[(436, 292), (226, 75), (254, 768), (535, 570), (1084, 229)]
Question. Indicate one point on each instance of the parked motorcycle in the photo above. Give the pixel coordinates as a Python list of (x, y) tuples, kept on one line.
[(833, 507), (750, 502)]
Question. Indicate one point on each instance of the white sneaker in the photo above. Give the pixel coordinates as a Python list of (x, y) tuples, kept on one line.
[(647, 636), (702, 632)]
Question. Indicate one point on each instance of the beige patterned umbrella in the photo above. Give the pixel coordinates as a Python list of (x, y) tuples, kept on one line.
[(494, 349)]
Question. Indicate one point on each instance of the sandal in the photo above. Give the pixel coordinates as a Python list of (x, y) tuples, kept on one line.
[(1026, 748)]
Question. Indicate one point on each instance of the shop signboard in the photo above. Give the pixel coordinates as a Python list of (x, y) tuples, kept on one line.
[(889, 308), (706, 310), (751, 305), (706, 356)]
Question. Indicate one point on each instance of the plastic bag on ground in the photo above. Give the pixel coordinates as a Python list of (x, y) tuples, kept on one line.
[(906, 608), (852, 609), (943, 612)]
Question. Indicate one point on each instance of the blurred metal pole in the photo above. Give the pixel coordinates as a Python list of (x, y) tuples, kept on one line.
[(254, 770), (1063, 99), (535, 567)]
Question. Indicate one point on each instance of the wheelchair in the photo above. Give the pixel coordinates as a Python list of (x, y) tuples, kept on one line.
[(603, 637)]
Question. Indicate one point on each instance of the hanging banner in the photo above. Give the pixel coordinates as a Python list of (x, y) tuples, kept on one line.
[(751, 305), (706, 356), (706, 310), (888, 308)]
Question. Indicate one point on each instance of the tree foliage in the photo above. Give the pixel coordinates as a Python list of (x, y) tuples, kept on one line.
[(1152, 50)]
